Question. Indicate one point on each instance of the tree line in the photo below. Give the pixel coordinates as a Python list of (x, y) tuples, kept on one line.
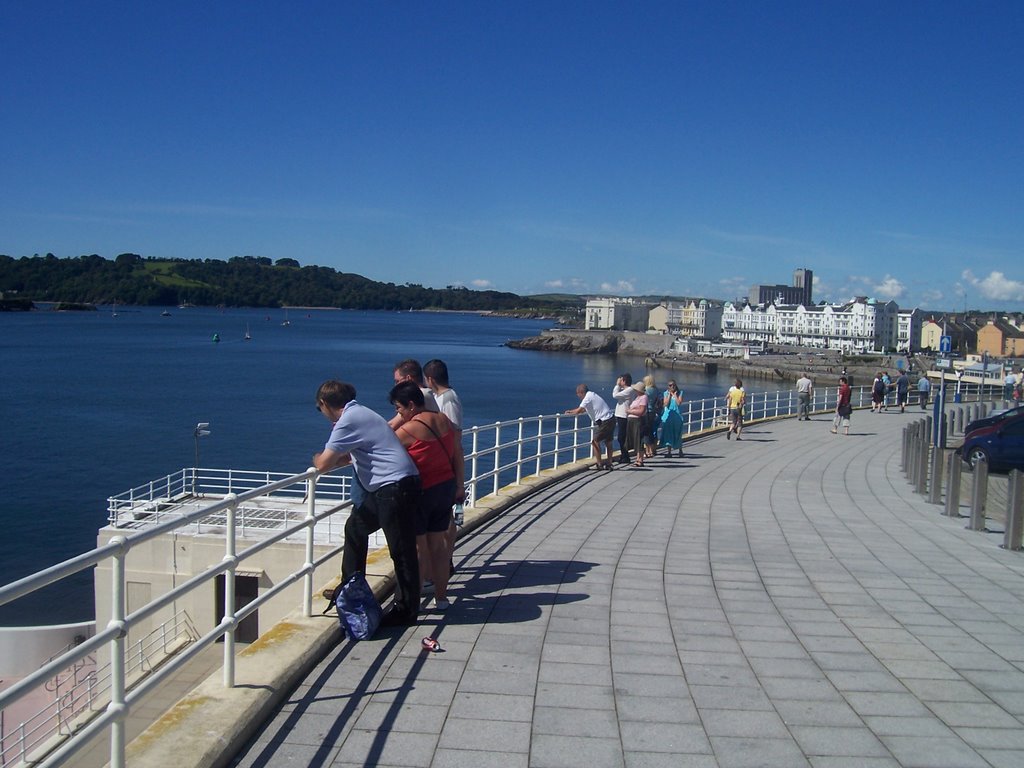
[(247, 281)]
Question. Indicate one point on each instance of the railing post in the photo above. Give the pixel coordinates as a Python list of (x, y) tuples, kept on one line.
[(1014, 511), (118, 607), (497, 454), (307, 580), (474, 446), (540, 444), (519, 452), (229, 592), (935, 480), (978, 492), (558, 435)]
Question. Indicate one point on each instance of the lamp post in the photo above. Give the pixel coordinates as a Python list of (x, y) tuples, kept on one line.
[(984, 375), (202, 430)]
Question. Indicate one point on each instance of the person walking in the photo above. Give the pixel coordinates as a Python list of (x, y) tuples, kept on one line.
[(843, 407), (877, 393), (924, 387), (734, 400), (804, 389), (390, 485), (603, 420), (902, 390), (672, 419)]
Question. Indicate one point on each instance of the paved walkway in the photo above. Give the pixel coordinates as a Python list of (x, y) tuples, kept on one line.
[(781, 601)]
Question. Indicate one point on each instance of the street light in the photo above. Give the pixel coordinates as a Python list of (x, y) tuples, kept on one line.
[(202, 430), (984, 375)]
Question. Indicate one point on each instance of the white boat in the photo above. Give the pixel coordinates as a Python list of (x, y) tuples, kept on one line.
[(247, 334), (286, 320)]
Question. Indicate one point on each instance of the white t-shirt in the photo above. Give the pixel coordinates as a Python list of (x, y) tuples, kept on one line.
[(623, 397), (595, 406), (450, 405)]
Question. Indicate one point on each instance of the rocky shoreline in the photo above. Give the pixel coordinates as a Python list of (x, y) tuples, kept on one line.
[(780, 366)]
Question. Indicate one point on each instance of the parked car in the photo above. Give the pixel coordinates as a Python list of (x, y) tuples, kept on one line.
[(992, 418), (1001, 444)]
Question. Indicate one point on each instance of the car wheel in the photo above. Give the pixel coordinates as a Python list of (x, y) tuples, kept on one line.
[(975, 455)]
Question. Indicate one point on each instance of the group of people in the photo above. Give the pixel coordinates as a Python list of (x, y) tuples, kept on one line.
[(408, 474), (883, 386), (644, 420)]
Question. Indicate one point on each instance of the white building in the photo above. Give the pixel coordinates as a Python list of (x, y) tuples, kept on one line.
[(616, 314), (908, 330), (747, 323), (699, 319), (861, 325)]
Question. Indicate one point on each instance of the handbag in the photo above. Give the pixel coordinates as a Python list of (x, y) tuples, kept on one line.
[(358, 610)]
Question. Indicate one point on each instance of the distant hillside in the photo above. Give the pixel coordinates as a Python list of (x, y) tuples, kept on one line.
[(241, 281)]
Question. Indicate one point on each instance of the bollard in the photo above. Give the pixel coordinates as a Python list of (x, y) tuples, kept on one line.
[(959, 419), (956, 468), (921, 485), (915, 448), (978, 495), (935, 480), (910, 444), (1014, 511)]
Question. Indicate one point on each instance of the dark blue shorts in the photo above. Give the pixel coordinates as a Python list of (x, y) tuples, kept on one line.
[(434, 513)]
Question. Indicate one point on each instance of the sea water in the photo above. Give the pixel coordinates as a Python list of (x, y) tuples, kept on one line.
[(95, 403)]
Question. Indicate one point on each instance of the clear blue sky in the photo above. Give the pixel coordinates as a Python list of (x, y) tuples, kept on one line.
[(670, 148)]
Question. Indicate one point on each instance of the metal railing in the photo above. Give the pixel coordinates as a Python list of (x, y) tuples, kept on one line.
[(497, 455), (83, 688)]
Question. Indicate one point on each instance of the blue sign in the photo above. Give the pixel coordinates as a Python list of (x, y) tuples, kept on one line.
[(945, 344)]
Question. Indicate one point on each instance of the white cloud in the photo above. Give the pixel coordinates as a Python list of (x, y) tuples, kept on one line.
[(481, 283), (996, 286), (622, 286), (554, 284), (889, 288)]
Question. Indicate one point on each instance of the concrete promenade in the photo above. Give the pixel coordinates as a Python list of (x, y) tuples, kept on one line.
[(781, 601)]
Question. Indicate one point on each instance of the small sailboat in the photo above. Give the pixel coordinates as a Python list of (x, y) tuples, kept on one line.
[(286, 320), (113, 311), (165, 313), (247, 336)]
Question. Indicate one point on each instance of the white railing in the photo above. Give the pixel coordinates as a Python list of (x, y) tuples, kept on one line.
[(149, 503), (497, 455), (83, 688)]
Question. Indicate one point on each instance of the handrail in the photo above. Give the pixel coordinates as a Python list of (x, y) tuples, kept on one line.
[(498, 455)]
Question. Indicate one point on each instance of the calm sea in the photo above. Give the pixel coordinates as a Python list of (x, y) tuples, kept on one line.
[(92, 404)]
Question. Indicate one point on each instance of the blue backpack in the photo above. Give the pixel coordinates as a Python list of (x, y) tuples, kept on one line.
[(358, 610)]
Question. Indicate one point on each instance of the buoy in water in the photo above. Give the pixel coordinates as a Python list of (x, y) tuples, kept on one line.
[(216, 338)]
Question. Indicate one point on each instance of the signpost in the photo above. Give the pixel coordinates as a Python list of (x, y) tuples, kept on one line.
[(945, 344)]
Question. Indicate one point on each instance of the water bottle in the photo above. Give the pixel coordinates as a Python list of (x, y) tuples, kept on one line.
[(459, 515)]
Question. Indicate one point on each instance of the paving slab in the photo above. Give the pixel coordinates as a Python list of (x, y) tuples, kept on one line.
[(786, 600)]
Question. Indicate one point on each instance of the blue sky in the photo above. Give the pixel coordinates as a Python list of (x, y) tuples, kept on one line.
[(655, 148)]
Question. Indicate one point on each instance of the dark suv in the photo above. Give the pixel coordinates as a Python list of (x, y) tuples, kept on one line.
[(1001, 444), (992, 418)]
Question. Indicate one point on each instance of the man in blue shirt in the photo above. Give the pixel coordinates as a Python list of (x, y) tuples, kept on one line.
[(390, 485)]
